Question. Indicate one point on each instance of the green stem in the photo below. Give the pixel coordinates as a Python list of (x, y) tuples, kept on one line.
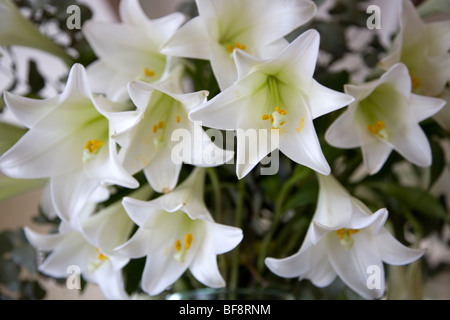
[(234, 277), (217, 189), (298, 175)]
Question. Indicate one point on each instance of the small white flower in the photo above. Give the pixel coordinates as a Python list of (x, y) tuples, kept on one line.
[(176, 232), (385, 116), (424, 49), (345, 239), (148, 144), (280, 97), (255, 26), (69, 141), (128, 50)]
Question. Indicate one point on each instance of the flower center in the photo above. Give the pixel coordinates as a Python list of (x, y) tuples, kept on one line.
[(91, 149), (180, 250), (378, 129), (237, 45), (345, 235), (98, 261), (277, 118)]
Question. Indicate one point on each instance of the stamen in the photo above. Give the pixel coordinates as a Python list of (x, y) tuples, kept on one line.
[(188, 240), (376, 128), (415, 81), (100, 256), (345, 236), (265, 116), (155, 128), (149, 73), (178, 119), (178, 245), (93, 145), (161, 124), (237, 45)]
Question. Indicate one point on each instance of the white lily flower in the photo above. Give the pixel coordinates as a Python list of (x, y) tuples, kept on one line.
[(151, 143), (256, 26), (176, 232), (69, 141), (385, 116), (128, 50), (87, 245), (345, 239), (279, 97), (16, 30), (424, 49)]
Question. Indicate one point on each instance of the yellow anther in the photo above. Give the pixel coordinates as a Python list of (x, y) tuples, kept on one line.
[(149, 73), (237, 45), (178, 119), (155, 128), (265, 116), (376, 128), (93, 145), (283, 122), (161, 124), (271, 118), (178, 246), (188, 240), (100, 256), (415, 82), (345, 236), (301, 124)]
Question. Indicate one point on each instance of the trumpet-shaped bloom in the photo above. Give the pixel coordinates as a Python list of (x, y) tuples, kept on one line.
[(160, 121), (424, 49), (345, 239), (279, 97), (87, 245), (128, 51), (385, 116), (255, 26), (176, 232), (68, 141)]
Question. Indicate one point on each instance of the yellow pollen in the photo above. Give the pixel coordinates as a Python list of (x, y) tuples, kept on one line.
[(301, 124), (271, 118), (346, 232), (188, 240), (415, 82), (178, 119), (149, 73), (376, 128), (100, 256), (283, 122), (178, 245), (265, 116), (93, 145), (237, 45), (161, 124), (155, 128)]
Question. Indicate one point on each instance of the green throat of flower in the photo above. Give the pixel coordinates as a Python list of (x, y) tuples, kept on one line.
[(345, 236)]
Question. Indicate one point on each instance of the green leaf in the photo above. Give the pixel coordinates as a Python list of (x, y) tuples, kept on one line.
[(10, 187), (9, 135), (413, 198), (9, 271), (25, 256), (305, 196), (32, 290), (439, 162)]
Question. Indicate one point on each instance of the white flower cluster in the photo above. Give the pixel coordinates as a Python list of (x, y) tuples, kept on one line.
[(117, 118)]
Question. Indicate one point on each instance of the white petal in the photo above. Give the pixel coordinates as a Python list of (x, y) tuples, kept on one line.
[(223, 238), (338, 134), (29, 111), (70, 198), (205, 269), (393, 252), (323, 100), (413, 145), (375, 155), (110, 281), (162, 173), (352, 265), (190, 41), (291, 267), (77, 86), (223, 66), (160, 272), (45, 242), (132, 13), (425, 107), (137, 246)]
